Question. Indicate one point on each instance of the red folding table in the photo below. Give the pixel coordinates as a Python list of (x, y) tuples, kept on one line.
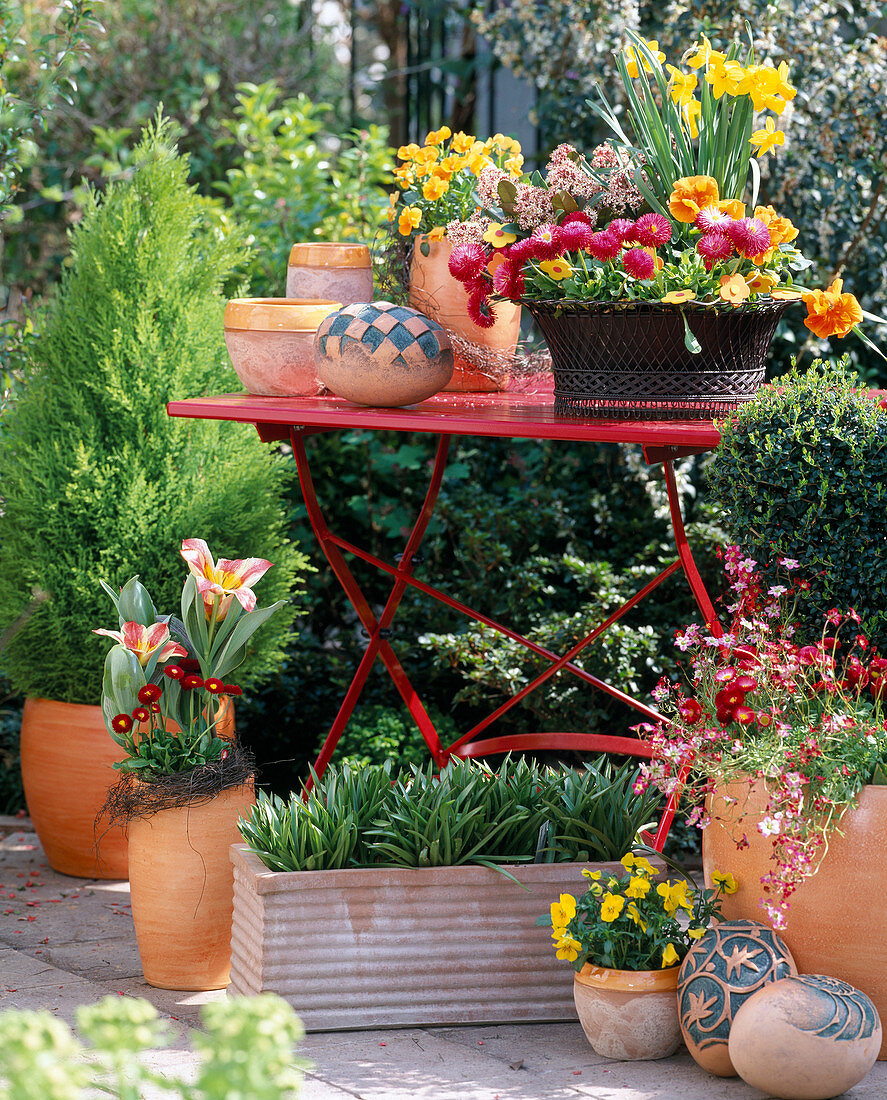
[(516, 415)]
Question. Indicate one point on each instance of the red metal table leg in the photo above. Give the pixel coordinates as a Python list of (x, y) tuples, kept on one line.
[(703, 600)]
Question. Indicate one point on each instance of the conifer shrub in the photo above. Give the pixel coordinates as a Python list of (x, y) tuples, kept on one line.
[(801, 473), (96, 481)]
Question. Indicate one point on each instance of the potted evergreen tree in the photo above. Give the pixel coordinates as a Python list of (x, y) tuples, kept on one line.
[(98, 483)]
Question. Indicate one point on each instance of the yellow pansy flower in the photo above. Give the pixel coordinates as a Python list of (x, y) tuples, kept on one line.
[(435, 137), (643, 866), (409, 220), (514, 166), (462, 142), (590, 874), (725, 880), (696, 933), (637, 887), (404, 177), (677, 297), (632, 910), (434, 188), (611, 907), (477, 162), (563, 911), (683, 85), (557, 270), (407, 152), (669, 956), (567, 948), (768, 137), (674, 894), (437, 234), (633, 57), (627, 861), (498, 237)]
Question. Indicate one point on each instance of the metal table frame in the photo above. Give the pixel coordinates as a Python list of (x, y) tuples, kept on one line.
[(509, 415)]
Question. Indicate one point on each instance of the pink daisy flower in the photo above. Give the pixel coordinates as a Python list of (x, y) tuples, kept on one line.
[(508, 280), (576, 235), (652, 229), (624, 227), (711, 220), (605, 245), (750, 236), (467, 262), (713, 247), (577, 216), (639, 263), (547, 241), (521, 251), (479, 309)]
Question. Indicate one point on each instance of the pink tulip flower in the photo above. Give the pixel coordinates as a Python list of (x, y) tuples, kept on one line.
[(226, 578), (145, 641)]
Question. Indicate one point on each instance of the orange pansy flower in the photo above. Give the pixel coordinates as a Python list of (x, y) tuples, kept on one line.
[(734, 207), (830, 312), (690, 195)]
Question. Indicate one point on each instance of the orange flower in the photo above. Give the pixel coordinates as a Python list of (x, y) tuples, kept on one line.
[(831, 313), (690, 195), (781, 231), (437, 234), (734, 207), (786, 294), (734, 289)]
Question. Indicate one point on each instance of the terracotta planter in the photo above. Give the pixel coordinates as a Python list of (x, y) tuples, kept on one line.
[(321, 269), (67, 770), (434, 292), (396, 947), (825, 933), (629, 1014), (182, 890)]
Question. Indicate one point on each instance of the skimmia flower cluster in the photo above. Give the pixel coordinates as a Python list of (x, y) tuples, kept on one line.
[(165, 714), (631, 922), (805, 716)]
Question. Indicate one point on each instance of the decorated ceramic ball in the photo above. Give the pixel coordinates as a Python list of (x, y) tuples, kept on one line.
[(379, 353), (732, 961), (805, 1038)]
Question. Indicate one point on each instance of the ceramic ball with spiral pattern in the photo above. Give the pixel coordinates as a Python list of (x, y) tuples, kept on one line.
[(379, 353), (805, 1038), (732, 961)]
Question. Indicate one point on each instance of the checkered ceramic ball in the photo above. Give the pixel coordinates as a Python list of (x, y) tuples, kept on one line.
[(379, 353)]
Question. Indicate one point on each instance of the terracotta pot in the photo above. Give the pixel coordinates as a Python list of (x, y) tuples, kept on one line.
[(434, 292), (67, 769), (825, 933), (320, 269), (182, 887), (629, 1014)]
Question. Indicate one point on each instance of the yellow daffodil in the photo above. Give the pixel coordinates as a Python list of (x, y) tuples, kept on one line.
[(563, 911), (462, 142), (409, 219), (434, 188), (499, 237), (733, 289), (677, 297), (725, 880), (556, 269), (567, 948), (670, 957), (633, 57), (703, 54), (611, 907), (637, 887), (692, 112), (767, 138), (435, 137), (696, 933), (682, 85), (768, 88), (724, 77)]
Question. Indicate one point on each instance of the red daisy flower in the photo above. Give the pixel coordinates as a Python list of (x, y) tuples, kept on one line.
[(121, 723), (521, 251), (140, 714), (605, 245), (652, 230), (639, 263), (155, 708), (233, 689), (479, 309), (214, 686), (508, 280), (547, 241), (174, 672), (713, 247), (750, 236), (150, 693), (576, 235), (624, 227), (190, 682), (468, 261), (576, 217)]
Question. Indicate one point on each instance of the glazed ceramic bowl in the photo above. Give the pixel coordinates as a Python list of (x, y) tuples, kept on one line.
[(271, 343)]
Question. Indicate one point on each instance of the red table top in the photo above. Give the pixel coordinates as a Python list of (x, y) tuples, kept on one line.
[(510, 414)]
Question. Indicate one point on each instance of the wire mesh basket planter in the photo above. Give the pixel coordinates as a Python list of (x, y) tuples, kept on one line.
[(629, 360)]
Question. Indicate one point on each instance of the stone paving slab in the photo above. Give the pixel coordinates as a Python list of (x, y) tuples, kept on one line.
[(66, 942)]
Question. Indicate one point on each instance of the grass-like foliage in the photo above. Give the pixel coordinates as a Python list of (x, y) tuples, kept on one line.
[(468, 813), (96, 481)]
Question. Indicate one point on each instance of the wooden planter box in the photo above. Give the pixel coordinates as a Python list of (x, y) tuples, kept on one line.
[(393, 947)]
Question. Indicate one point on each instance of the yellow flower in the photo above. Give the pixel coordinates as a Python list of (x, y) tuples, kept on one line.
[(781, 229), (786, 294), (696, 933), (635, 915), (391, 212), (692, 111), (760, 282), (590, 874), (435, 137), (404, 177), (611, 906), (409, 220), (434, 188), (643, 866), (556, 269), (563, 911), (670, 956), (637, 887), (725, 880), (627, 861), (407, 152), (674, 896), (514, 166), (437, 234), (477, 161), (498, 237), (632, 57), (683, 85), (567, 948), (768, 88), (734, 289), (768, 137), (704, 54), (676, 297), (724, 76), (462, 142), (734, 207)]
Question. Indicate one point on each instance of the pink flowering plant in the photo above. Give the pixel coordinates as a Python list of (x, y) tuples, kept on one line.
[(632, 922), (165, 671), (803, 715)]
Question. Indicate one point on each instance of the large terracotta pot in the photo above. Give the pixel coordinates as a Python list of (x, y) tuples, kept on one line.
[(67, 769), (434, 292), (836, 918), (629, 1014), (182, 885)]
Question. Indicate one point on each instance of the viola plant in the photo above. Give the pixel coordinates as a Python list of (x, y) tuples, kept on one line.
[(763, 703), (632, 922), (164, 678)]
